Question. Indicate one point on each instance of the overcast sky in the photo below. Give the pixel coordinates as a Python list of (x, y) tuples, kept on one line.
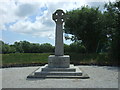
[(31, 20)]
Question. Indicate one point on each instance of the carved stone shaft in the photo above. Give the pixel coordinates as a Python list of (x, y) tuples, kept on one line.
[(59, 17), (59, 48)]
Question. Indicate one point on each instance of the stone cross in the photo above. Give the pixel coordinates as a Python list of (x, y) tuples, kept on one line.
[(59, 18)]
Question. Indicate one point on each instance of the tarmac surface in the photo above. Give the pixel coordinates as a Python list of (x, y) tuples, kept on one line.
[(100, 77)]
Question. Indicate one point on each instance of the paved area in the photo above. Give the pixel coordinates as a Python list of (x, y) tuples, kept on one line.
[(100, 77)]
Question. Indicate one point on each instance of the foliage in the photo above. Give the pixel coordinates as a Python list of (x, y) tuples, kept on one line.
[(67, 48), (5, 48), (113, 28), (46, 47), (85, 24), (25, 47), (74, 47), (98, 31), (35, 48), (18, 47), (91, 59), (77, 47)]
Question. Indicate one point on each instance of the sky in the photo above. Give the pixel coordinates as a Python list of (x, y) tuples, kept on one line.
[(31, 20)]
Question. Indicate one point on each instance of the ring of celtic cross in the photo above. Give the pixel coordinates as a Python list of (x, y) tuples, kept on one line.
[(59, 16)]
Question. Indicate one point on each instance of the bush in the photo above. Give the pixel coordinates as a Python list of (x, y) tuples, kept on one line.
[(46, 47), (66, 48), (77, 47)]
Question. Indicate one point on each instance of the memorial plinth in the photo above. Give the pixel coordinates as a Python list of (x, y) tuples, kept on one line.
[(59, 64), (59, 61)]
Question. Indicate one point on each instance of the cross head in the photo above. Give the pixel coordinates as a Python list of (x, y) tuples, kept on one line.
[(59, 16)]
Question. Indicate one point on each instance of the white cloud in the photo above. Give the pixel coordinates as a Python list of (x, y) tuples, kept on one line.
[(26, 9), (34, 29), (7, 13), (13, 10), (43, 26)]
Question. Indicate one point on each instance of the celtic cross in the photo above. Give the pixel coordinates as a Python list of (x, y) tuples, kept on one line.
[(59, 18)]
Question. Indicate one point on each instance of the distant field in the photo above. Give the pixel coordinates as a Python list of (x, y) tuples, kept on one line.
[(24, 58), (42, 58)]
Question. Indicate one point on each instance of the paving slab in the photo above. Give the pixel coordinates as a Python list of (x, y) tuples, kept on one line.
[(100, 77)]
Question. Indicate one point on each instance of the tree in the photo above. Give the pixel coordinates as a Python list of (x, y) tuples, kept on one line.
[(12, 49), (1, 43), (26, 46), (77, 47), (66, 48), (5, 48), (35, 48), (113, 28), (23, 46), (46, 47), (86, 24), (18, 47)]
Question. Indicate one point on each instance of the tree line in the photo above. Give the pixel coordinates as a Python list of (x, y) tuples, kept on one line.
[(27, 47)]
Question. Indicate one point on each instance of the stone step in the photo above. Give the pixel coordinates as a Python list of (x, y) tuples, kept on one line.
[(59, 73), (46, 72), (84, 76), (59, 69)]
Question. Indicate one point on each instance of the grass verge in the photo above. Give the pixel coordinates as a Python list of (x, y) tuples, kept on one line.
[(42, 58)]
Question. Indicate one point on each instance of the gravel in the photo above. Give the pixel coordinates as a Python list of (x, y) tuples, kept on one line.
[(100, 77)]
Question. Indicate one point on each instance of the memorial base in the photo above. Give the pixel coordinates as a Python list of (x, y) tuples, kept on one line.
[(58, 67), (73, 72)]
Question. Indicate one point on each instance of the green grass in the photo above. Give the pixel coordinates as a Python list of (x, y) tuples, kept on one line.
[(89, 58), (24, 58), (42, 58)]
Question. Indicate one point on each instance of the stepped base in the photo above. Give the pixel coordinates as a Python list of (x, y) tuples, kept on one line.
[(46, 72)]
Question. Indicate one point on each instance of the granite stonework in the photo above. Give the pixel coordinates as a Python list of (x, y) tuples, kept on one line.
[(59, 61), (59, 64), (59, 17), (72, 72)]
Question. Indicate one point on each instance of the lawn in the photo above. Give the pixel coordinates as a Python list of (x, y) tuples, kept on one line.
[(42, 58), (24, 58)]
